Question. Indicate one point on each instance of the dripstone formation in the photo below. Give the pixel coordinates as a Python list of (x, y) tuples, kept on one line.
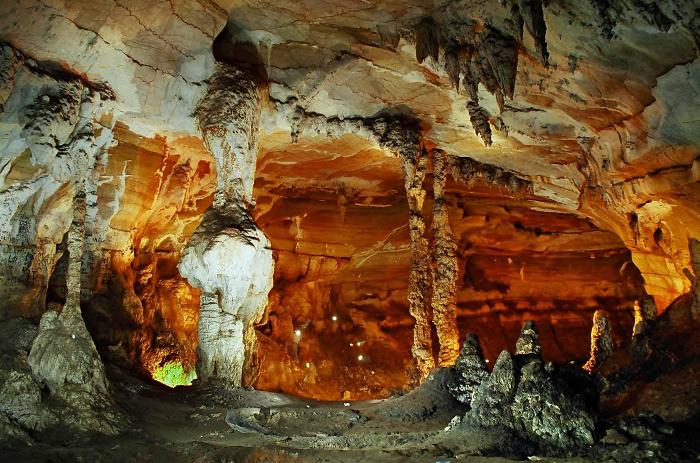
[(535, 403), (359, 231)]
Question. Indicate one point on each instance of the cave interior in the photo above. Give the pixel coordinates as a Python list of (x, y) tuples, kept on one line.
[(463, 230)]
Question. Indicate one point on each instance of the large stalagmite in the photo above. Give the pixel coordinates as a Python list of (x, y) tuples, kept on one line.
[(228, 257)]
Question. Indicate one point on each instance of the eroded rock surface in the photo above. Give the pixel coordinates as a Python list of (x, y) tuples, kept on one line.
[(536, 404)]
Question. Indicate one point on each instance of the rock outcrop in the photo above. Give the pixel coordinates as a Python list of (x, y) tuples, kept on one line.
[(538, 405)]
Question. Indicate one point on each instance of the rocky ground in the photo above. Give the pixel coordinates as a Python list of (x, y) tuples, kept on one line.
[(522, 409)]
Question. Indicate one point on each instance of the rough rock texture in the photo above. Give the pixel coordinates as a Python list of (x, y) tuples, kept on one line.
[(491, 402), (339, 235), (539, 405), (470, 370), (419, 281), (602, 343), (64, 359), (588, 190), (445, 268), (22, 410), (63, 354), (661, 362)]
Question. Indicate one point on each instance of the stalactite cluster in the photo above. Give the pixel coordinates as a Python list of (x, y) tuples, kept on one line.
[(478, 52), (467, 171)]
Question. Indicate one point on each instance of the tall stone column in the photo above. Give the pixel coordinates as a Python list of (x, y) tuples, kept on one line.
[(419, 283), (402, 137), (63, 352), (229, 257), (445, 268)]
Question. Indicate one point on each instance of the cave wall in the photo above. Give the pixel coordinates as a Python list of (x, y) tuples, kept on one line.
[(341, 243)]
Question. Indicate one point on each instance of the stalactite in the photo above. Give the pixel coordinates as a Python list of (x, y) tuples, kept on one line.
[(501, 51), (228, 117), (466, 170), (427, 40), (445, 268), (602, 345), (389, 35), (480, 121), (452, 67), (532, 13)]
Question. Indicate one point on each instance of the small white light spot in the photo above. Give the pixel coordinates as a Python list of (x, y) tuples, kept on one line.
[(352, 345), (334, 318), (297, 332), (488, 361), (308, 365), (346, 404), (510, 261), (360, 357), (72, 336), (372, 371)]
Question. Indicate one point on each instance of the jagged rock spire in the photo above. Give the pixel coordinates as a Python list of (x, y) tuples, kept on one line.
[(469, 370), (528, 342), (491, 401), (527, 401)]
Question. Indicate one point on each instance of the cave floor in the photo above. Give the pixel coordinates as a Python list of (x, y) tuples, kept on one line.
[(189, 425)]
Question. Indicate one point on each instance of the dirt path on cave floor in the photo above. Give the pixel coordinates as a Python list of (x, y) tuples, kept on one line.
[(173, 426)]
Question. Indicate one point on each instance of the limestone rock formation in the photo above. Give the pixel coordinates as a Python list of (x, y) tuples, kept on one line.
[(63, 354), (228, 260), (538, 405), (22, 410), (321, 198), (445, 267), (602, 344), (64, 359), (228, 257), (491, 402), (470, 370)]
